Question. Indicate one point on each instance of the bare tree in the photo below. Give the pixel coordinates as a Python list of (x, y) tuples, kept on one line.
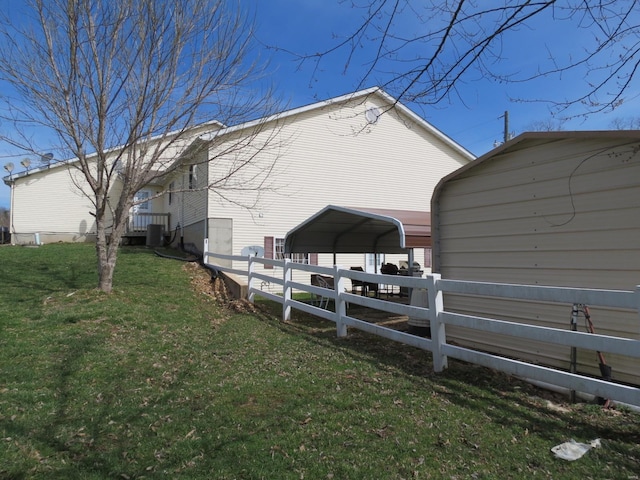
[(629, 123), (121, 84), (422, 51), (5, 216), (548, 125)]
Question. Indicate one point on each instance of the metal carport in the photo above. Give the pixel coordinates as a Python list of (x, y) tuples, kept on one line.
[(337, 229)]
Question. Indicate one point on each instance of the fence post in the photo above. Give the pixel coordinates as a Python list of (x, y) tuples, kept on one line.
[(438, 334), (286, 290), (341, 306), (252, 266)]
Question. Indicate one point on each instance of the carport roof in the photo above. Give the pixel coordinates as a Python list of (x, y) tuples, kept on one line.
[(337, 229)]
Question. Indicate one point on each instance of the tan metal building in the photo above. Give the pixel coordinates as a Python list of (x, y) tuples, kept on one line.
[(552, 208)]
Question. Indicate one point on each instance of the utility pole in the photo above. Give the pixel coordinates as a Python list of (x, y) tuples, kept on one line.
[(506, 126), (507, 135)]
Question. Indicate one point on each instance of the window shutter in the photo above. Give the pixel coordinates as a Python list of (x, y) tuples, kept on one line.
[(427, 258), (268, 250), (193, 177), (313, 259)]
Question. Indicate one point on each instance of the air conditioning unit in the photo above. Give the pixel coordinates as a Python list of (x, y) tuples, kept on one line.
[(154, 235)]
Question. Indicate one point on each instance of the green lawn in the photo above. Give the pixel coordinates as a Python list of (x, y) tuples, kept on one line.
[(159, 380)]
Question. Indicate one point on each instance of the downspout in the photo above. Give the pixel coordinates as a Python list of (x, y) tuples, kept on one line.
[(11, 225), (206, 204), (182, 215), (206, 220)]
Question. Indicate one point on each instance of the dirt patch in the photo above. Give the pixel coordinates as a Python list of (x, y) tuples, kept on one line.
[(215, 288)]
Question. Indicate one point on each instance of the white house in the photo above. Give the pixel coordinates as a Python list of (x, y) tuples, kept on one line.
[(52, 203), (554, 208), (360, 150)]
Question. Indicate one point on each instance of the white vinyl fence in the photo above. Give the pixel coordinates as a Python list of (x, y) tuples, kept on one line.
[(439, 318)]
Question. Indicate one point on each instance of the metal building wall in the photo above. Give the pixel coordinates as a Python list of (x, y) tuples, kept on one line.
[(561, 209)]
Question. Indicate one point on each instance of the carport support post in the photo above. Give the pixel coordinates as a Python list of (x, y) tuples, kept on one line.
[(341, 306), (286, 290), (438, 334)]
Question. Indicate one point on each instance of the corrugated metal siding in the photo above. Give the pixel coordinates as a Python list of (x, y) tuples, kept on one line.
[(565, 213), (332, 156)]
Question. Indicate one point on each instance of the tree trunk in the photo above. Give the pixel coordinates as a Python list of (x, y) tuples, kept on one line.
[(107, 245), (106, 267), (107, 256)]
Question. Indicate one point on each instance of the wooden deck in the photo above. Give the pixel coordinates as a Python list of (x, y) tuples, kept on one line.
[(138, 224)]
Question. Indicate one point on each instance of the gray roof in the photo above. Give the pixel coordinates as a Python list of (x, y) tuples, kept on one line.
[(337, 229)]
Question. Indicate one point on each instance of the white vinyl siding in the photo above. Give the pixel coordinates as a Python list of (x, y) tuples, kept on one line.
[(51, 204), (56, 201), (331, 156), (190, 206)]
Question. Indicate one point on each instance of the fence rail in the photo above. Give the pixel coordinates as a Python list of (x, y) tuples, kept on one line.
[(439, 318)]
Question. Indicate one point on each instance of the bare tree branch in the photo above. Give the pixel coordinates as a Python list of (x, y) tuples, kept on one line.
[(453, 40), (121, 85)]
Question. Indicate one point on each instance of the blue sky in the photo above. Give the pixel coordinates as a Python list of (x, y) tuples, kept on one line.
[(473, 117)]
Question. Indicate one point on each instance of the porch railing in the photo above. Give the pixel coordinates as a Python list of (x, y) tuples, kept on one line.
[(138, 222)]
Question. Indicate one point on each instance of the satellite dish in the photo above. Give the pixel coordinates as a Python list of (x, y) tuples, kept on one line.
[(252, 251), (372, 114), (25, 162), (46, 158), (8, 167)]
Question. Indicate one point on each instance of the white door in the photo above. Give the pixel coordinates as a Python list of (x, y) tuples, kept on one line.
[(141, 211), (373, 262), (221, 239)]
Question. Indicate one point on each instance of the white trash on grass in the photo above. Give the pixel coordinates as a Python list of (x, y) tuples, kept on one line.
[(573, 450)]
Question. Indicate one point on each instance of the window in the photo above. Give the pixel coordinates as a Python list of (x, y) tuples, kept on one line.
[(274, 249), (295, 257), (142, 200), (279, 249), (171, 187), (374, 262), (118, 166), (193, 177)]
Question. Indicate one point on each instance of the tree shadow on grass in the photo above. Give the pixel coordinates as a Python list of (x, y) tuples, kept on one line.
[(75, 440), (513, 403), (25, 278)]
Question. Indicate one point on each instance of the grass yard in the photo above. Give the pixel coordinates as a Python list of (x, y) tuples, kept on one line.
[(161, 379)]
